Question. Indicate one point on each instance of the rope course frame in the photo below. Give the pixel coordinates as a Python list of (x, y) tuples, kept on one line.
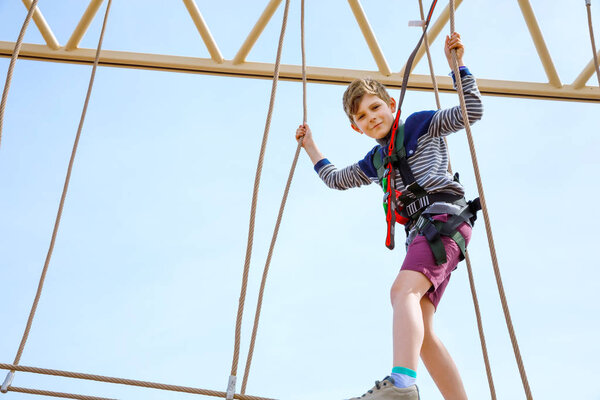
[(217, 65), (230, 394)]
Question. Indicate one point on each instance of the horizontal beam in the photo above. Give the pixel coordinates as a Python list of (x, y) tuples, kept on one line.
[(159, 62)]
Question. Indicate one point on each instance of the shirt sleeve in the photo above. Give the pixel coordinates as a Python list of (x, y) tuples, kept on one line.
[(450, 120), (342, 179)]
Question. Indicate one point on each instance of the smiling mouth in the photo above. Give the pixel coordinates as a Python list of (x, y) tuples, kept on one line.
[(376, 126)]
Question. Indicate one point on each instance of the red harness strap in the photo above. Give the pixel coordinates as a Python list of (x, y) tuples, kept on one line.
[(391, 197)]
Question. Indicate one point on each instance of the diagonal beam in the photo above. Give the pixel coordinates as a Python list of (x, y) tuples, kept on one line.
[(253, 36), (43, 26), (210, 43), (586, 74), (433, 32), (540, 44), (83, 25), (369, 36)]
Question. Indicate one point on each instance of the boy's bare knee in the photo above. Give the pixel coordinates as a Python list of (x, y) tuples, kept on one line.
[(399, 294), (408, 286)]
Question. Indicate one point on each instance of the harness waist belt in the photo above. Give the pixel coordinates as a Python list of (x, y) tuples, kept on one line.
[(422, 202)]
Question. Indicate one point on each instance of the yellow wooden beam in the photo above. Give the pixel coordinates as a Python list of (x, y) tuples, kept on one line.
[(84, 24), (210, 43), (369, 36), (160, 62), (540, 44), (43, 26), (255, 33)]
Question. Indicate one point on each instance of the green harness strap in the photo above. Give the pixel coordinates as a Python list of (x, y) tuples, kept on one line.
[(380, 161), (433, 232)]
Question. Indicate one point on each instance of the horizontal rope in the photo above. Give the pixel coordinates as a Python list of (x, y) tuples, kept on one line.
[(56, 394), (122, 381)]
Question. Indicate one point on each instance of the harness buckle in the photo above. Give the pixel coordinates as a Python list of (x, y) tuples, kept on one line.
[(416, 205)]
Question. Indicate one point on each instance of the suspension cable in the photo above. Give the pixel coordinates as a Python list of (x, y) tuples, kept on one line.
[(486, 217), (279, 216), (13, 61), (588, 4), (484, 351), (238, 326), (60, 208)]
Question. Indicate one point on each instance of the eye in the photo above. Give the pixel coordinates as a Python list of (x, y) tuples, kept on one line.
[(376, 106), (360, 117)]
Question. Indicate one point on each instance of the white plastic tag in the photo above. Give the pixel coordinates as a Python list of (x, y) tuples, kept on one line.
[(416, 23)]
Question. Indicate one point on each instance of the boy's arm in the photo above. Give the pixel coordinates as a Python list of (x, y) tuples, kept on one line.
[(451, 120), (346, 178)]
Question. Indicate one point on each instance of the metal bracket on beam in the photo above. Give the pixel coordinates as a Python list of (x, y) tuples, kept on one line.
[(7, 381)]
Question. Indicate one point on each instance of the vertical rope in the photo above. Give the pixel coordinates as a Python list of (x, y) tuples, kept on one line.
[(488, 368), (426, 44), (64, 195), (304, 108), (488, 227), (238, 326), (279, 217), (13, 61), (588, 4)]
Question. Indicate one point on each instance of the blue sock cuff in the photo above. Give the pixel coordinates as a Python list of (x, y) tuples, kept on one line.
[(405, 371)]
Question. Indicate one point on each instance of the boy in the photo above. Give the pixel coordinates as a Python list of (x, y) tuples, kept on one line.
[(425, 273)]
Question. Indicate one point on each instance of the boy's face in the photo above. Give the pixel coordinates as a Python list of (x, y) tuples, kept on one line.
[(374, 117)]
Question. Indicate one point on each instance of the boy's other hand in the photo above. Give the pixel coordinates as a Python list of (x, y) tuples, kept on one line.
[(304, 131), (454, 42)]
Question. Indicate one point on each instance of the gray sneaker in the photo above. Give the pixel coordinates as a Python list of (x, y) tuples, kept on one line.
[(385, 390)]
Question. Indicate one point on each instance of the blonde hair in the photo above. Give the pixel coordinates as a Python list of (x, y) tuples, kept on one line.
[(357, 89)]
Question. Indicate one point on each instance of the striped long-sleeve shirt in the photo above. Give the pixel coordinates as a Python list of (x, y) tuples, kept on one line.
[(426, 149)]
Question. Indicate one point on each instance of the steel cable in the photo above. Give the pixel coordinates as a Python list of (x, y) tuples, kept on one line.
[(279, 216), (482, 340), (588, 4), (242, 299), (486, 217), (13, 61)]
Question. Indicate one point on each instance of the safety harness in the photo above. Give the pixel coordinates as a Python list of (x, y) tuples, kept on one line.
[(408, 208), (416, 207)]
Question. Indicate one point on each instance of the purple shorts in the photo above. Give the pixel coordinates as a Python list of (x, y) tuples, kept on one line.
[(419, 257)]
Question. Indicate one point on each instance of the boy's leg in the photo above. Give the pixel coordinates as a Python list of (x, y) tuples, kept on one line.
[(437, 360), (408, 330)]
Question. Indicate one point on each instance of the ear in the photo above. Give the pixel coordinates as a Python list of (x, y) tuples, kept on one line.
[(393, 104), (356, 128)]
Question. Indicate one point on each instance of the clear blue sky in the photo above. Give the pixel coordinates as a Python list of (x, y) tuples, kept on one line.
[(146, 273)]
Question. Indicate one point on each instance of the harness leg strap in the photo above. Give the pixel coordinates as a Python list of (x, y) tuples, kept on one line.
[(431, 232), (460, 241)]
